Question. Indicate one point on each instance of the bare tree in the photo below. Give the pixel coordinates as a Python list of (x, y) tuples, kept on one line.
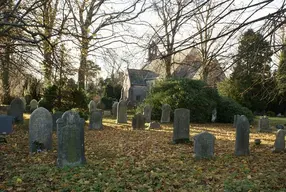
[(95, 25)]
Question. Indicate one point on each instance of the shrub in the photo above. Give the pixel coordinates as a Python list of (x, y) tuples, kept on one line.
[(83, 113), (270, 114), (194, 95), (227, 108)]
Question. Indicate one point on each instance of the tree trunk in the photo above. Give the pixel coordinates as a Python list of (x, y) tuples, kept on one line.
[(83, 61), (5, 74), (168, 64)]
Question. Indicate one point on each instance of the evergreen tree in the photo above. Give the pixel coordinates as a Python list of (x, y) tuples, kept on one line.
[(281, 72), (251, 73)]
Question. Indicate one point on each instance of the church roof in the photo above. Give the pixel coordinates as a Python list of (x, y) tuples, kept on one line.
[(140, 76)]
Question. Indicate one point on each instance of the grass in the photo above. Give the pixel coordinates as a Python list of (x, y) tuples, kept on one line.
[(272, 121), (120, 159)]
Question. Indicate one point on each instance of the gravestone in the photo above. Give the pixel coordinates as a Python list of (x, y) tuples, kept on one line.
[(92, 106), (279, 145), (204, 145), (6, 124), (154, 125), (235, 120), (122, 112), (16, 110), (147, 113), (56, 116), (33, 105), (40, 130), (263, 124), (24, 102), (166, 110), (279, 126), (214, 115), (95, 120), (114, 109), (70, 140), (138, 121), (181, 125), (242, 136)]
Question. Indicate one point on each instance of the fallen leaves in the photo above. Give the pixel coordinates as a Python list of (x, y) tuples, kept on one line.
[(119, 159)]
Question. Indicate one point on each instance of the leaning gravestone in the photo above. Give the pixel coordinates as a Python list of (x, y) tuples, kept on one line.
[(56, 116), (166, 110), (114, 109), (138, 121), (95, 119), (279, 145), (204, 145), (242, 136), (70, 140), (147, 113), (92, 106), (24, 102), (181, 125), (16, 110), (263, 124), (122, 112), (33, 105), (40, 130)]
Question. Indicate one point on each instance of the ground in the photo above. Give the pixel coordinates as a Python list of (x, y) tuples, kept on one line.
[(119, 159)]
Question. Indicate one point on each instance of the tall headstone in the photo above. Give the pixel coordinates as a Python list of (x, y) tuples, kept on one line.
[(181, 125), (122, 112), (70, 140), (263, 124), (242, 136), (138, 121), (33, 105), (92, 106), (40, 130), (24, 102), (147, 113), (114, 110), (279, 145), (166, 110), (56, 116), (204, 145), (235, 120), (214, 115), (16, 110), (95, 119)]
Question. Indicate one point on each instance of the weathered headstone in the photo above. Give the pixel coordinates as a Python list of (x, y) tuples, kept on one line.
[(16, 110), (279, 145), (166, 110), (204, 145), (263, 124), (70, 140), (95, 119), (92, 106), (6, 126), (147, 113), (24, 102), (235, 120), (33, 105), (138, 121), (114, 110), (154, 125), (242, 136), (56, 116), (181, 125), (214, 115), (122, 112), (40, 130)]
